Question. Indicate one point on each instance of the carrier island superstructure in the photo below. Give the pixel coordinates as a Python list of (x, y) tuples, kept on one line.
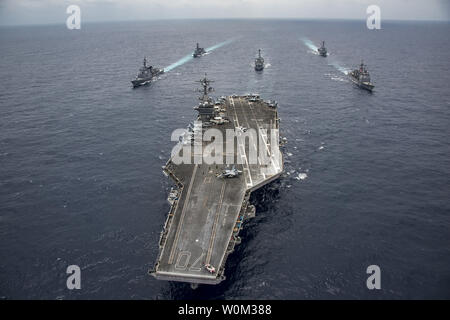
[(210, 202)]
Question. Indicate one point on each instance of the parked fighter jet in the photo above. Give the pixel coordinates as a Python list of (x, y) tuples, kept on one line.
[(242, 129), (230, 173)]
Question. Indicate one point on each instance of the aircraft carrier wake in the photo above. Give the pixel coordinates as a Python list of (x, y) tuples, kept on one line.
[(211, 201)]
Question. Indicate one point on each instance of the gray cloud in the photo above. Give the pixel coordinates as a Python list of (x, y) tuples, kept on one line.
[(53, 11)]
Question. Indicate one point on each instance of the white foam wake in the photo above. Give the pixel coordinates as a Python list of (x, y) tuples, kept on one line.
[(340, 68), (310, 45), (190, 57)]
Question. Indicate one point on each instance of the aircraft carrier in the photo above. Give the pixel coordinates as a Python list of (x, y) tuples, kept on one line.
[(210, 202)]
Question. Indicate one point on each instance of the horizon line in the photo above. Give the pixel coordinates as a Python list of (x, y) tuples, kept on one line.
[(225, 18)]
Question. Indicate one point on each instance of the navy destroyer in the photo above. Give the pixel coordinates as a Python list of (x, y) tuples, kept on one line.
[(322, 50), (361, 77), (210, 202), (198, 52), (146, 74), (259, 62)]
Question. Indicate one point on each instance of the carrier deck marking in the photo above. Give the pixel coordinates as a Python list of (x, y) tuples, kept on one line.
[(180, 226)]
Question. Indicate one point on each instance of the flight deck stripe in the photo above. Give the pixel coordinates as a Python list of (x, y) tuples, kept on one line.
[(180, 224), (213, 232), (249, 176), (277, 167), (251, 142)]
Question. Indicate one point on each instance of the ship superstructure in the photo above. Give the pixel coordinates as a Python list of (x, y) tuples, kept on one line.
[(322, 50), (146, 74), (198, 52), (259, 62), (361, 77)]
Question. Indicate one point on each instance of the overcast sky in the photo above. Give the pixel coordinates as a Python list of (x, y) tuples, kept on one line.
[(13, 12)]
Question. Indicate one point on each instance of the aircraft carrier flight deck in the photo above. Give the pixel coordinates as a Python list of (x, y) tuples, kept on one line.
[(210, 202)]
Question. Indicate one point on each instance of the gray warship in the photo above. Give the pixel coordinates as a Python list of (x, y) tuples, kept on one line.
[(146, 74), (361, 77), (210, 202), (259, 62), (198, 51), (322, 50)]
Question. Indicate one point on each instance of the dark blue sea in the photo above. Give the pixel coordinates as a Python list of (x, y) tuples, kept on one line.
[(366, 182)]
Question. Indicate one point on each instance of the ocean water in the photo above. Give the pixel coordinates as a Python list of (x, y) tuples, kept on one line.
[(366, 182)]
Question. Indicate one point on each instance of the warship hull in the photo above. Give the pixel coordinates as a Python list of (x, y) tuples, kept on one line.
[(259, 62), (322, 50), (140, 82), (362, 85), (203, 223), (145, 81)]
